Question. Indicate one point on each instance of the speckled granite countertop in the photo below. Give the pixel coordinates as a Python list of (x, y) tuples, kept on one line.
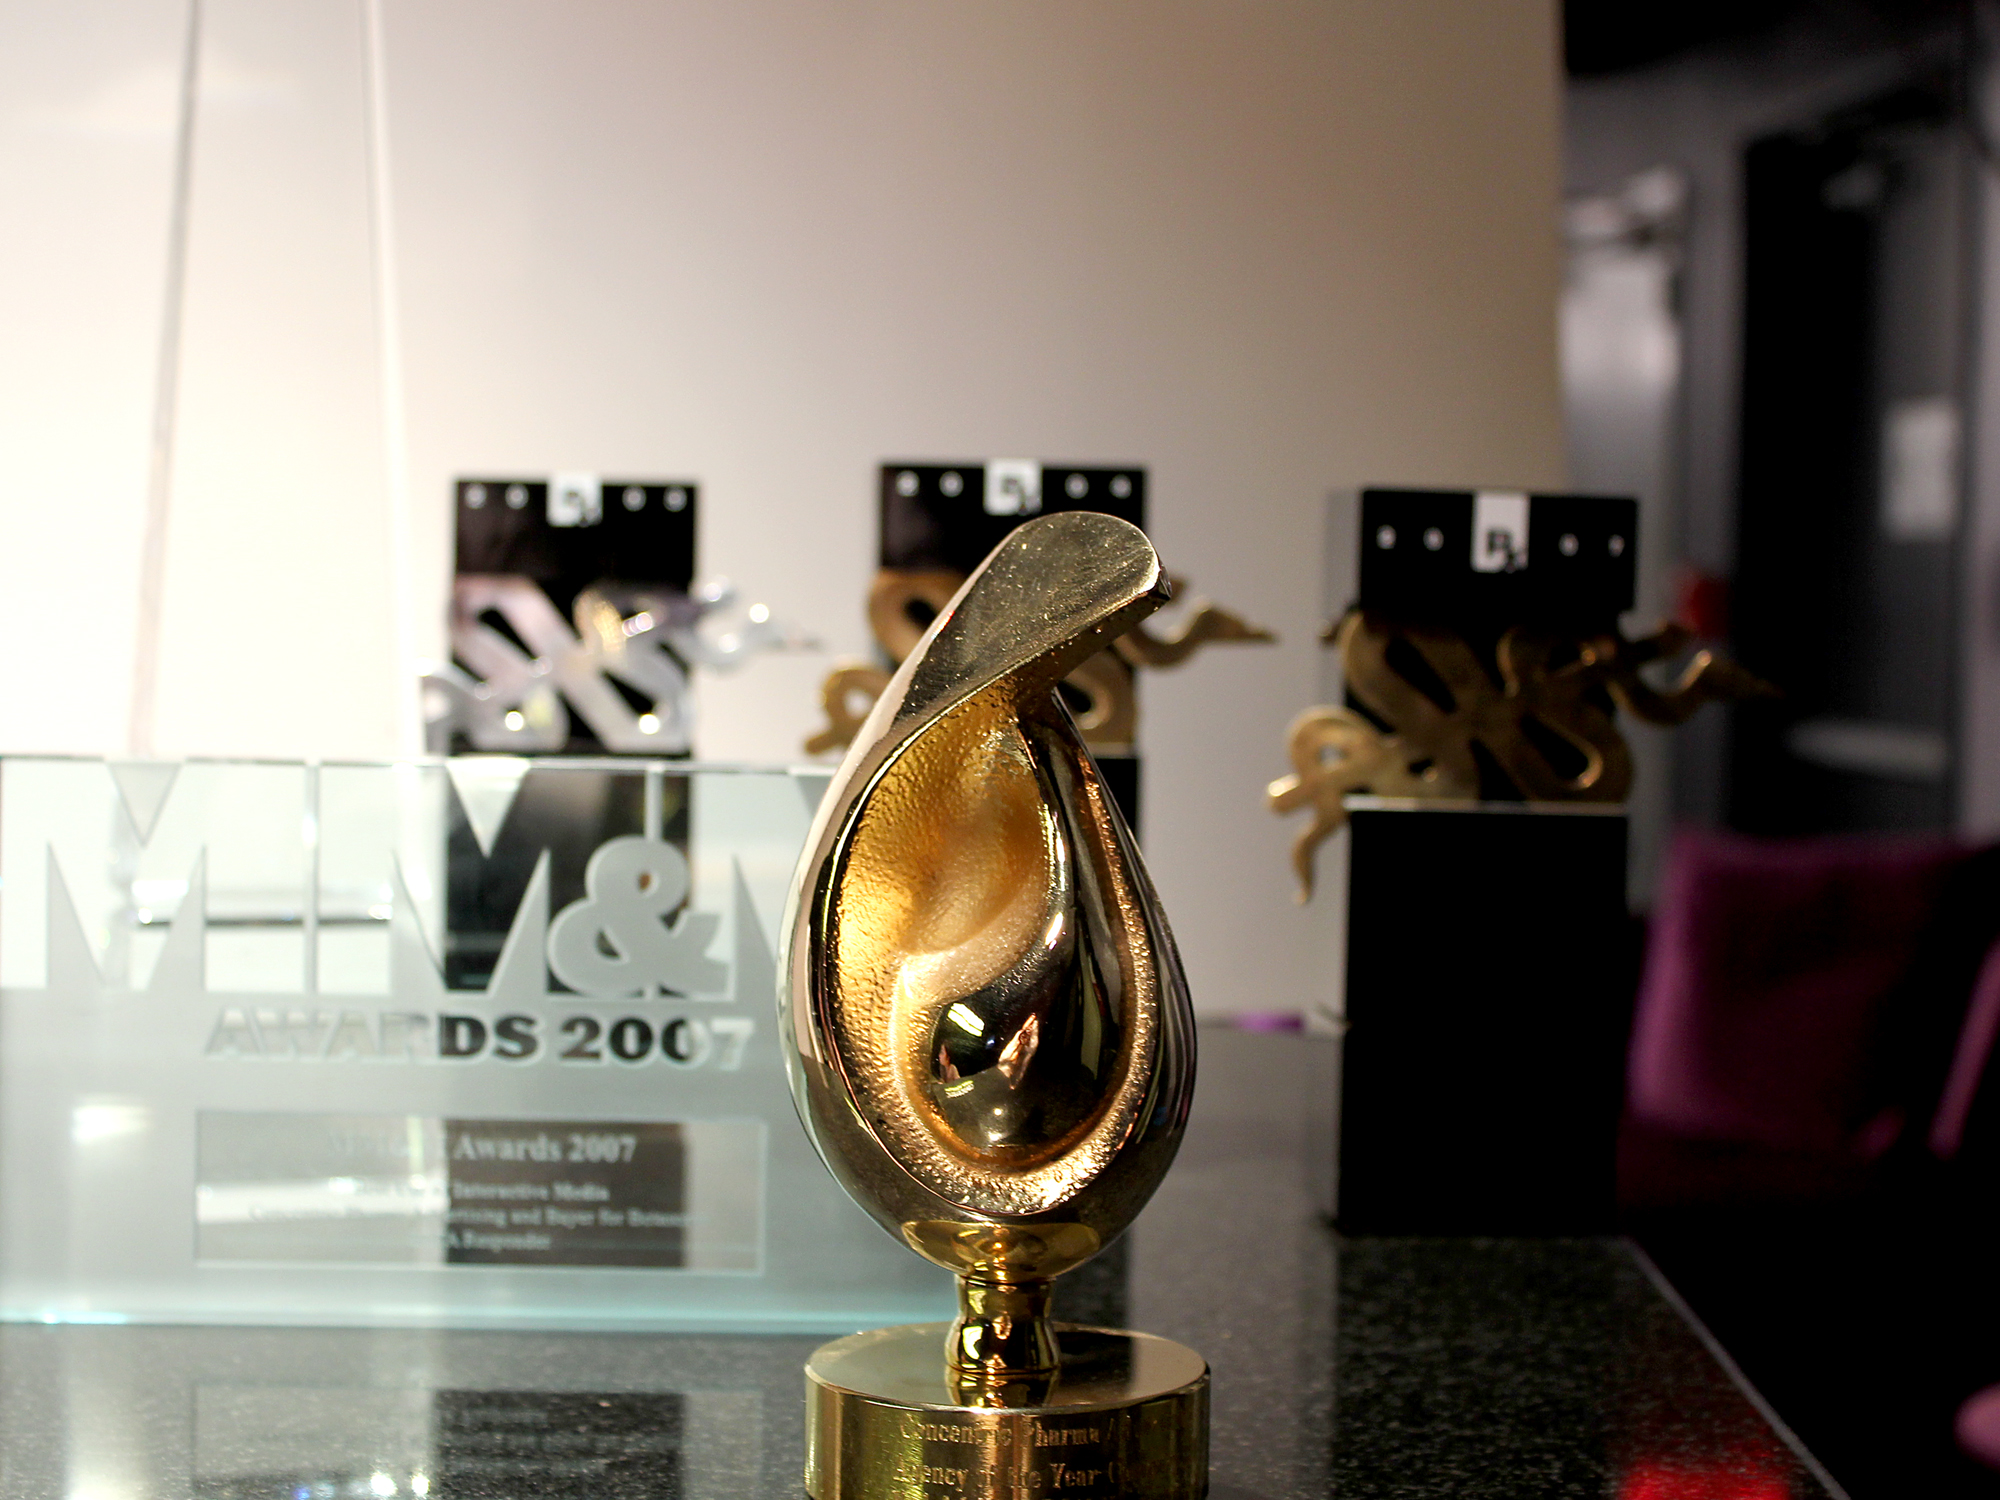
[(1380, 1368)]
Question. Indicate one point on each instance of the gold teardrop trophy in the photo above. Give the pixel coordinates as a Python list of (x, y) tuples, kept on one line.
[(990, 1042)]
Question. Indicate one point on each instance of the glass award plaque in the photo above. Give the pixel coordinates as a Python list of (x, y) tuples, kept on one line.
[(481, 1042)]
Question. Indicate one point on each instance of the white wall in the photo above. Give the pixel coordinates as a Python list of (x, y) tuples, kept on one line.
[(1265, 249), (278, 629), (89, 102)]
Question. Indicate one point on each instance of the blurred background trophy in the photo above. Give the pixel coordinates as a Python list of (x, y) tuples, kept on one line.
[(937, 520), (577, 622), (578, 628), (1468, 752), (991, 1045)]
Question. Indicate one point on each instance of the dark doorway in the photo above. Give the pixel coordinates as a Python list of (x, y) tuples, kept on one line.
[(1845, 595)]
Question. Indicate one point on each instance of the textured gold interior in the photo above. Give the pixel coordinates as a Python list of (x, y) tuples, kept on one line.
[(989, 1010)]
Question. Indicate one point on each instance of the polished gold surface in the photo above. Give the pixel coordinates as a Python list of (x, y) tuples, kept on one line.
[(1126, 1417), (989, 1073), (903, 601), (988, 1031), (1439, 701), (986, 1011)]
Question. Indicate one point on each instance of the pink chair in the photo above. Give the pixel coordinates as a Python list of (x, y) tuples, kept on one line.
[(1978, 1427), (1970, 1061), (1774, 1053), (1978, 1423)]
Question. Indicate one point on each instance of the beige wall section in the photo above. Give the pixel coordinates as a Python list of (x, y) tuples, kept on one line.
[(1265, 249)]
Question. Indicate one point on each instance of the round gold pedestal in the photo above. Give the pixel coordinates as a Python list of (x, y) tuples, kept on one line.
[(1126, 1417)]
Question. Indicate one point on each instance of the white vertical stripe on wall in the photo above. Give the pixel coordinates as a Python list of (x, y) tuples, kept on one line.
[(89, 105), (278, 636)]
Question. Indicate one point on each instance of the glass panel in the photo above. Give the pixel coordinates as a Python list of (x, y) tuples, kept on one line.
[(486, 1041)]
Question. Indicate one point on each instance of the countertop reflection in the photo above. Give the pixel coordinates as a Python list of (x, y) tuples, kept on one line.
[(1360, 1367)]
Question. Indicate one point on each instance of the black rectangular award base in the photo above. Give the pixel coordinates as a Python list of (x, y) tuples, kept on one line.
[(1489, 992)]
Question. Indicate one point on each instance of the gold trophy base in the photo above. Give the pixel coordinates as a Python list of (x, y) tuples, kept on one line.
[(1126, 1418)]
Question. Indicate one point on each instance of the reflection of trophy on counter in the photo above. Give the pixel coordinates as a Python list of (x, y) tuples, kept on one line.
[(938, 520), (991, 1045)]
